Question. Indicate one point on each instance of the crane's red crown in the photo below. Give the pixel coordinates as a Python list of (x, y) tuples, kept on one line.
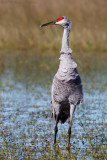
[(60, 18)]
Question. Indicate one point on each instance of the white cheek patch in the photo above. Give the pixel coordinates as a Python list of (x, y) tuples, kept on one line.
[(61, 22)]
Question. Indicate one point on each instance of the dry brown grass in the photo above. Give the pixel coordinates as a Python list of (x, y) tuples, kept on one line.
[(20, 21)]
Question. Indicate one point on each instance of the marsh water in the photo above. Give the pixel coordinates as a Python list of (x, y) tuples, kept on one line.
[(26, 126)]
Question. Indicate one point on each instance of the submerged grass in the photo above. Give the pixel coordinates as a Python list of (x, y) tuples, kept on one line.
[(31, 145), (26, 126), (20, 21)]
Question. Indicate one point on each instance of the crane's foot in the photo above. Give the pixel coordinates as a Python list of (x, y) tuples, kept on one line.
[(68, 147)]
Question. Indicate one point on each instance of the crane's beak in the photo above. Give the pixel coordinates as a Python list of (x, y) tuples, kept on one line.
[(49, 23)]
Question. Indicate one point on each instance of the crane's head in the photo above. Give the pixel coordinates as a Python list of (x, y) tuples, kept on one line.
[(62, 21)]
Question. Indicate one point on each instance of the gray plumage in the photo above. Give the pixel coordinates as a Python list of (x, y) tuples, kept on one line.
[(67, 89)]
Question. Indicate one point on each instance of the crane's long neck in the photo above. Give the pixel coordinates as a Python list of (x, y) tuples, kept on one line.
[(65, 41)]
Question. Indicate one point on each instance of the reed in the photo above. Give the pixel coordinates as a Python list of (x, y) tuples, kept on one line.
[(20, 21)]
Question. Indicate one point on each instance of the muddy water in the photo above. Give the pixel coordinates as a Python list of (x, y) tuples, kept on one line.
[(25, 108)]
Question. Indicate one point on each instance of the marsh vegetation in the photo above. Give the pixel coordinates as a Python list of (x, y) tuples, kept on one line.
[(26, 126), (28, 61), (20, 22)]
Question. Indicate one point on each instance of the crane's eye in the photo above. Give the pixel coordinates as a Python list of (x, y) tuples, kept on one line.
[(60, 18)]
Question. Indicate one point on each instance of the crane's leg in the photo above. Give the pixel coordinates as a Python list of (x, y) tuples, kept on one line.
[(56, 129), (72, 108)]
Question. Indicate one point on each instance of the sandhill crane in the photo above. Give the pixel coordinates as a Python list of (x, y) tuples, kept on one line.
[(67, 90)]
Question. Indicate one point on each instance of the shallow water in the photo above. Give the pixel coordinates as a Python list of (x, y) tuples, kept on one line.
[(25, 108)]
